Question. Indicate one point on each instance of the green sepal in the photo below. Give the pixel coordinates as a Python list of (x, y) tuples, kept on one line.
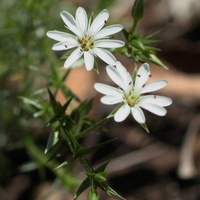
[(114, 111), (144, 126), (138, 44), (67, 54), (96, 68)]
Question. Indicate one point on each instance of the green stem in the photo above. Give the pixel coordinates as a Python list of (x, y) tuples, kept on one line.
[(42, 160), (86, 164), (95, 126), (133, 27)]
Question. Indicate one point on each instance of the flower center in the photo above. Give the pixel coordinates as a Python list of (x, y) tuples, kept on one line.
[(131, 99), (86, 43)]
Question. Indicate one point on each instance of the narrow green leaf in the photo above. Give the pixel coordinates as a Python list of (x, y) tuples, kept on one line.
[(52, 140), (157, 61), (95, 148), (94, 126), (112, 192), (84, 185), (109, 190), (68, 161), (58, 149), (65, 106), (138, 44), (152, 35), (102, 167), (33, 102), (53, 100)]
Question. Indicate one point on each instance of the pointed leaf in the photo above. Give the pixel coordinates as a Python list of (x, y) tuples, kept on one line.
[(109, 190), (138, 44), (102, 167), (94, 126), (58, 149), (68, 161), (52, 140), (84, 185), (152, 35), (96, 147), (65, 106), (53, 100), (157, 61), (144, 126)]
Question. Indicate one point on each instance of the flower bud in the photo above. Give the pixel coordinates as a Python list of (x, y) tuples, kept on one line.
[(92, 195), (100, 177), (138, 10)]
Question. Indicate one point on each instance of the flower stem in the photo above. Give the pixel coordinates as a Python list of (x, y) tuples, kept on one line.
[(133, 27), (95, 126)]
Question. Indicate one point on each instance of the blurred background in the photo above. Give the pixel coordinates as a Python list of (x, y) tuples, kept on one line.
[(162, 165)]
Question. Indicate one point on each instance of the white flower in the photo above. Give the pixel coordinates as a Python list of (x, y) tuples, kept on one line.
[(131, 95), (88, 38)]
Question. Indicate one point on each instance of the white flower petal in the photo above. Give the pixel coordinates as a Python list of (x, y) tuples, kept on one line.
[(111, 100), (107, 31), (71, 23), (138, 114), (155, 99), (155, 109), (82, 19), (65, 45), (89, 60), (156, 85), (74, 56), (60, 36), (122, 113), (59, 46), (125, 76), (99, 22), (107, 43), (108, 90), (105, 55), (113, 73), (142, 77)]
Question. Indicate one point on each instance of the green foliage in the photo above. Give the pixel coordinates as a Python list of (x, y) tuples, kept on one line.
[(30, 112), (138, 48)]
